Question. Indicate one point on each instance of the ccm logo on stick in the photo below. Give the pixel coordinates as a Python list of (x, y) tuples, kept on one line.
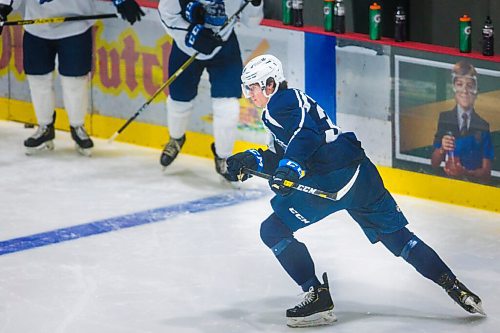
[(298, 216), (306, 189)]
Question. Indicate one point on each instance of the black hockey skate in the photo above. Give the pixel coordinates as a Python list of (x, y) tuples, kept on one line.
[(316, 309), (171, 150), (42, 139), (461, 295), (220, 164), (83, 143)]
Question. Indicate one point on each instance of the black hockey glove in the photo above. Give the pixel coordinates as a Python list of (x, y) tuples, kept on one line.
[(287, 171), (5, 10), (202, 39), (129, 10), (193, 12), (256, 3), (251, 159), (211, 12)]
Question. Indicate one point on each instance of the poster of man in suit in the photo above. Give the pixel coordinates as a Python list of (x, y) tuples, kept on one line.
[(448, 119)]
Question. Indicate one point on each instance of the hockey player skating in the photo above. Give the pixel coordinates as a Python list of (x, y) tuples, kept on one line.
[(72, 43), (194, 26), (306, 145)]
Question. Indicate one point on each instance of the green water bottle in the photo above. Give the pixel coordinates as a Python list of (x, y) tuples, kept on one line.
[(328, 15), (375, 21), (465, 43), (286, 7)]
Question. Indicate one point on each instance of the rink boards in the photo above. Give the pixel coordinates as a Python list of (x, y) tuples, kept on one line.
[(130, 65)]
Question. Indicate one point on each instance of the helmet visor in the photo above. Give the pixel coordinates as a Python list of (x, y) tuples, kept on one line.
[(248, 88)]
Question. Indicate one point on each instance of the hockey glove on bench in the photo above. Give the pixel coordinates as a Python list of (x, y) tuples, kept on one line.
[(250, 159), (287, 170)]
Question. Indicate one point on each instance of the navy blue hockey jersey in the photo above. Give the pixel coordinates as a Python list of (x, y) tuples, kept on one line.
[(302, 132)]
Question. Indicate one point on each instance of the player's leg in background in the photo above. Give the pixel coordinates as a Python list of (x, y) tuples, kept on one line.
[(317, 306), (75, 62), (180, 102), (39, 63), (224, 72), (226, 114)]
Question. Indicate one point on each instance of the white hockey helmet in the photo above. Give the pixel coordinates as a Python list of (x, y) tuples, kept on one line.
[(258, 70)]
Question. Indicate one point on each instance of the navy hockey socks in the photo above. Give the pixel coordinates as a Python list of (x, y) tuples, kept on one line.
[(297, 262), (427, 262), (292, 255), (422, 257)]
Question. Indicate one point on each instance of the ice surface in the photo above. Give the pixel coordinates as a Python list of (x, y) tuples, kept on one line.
[(208, 271)]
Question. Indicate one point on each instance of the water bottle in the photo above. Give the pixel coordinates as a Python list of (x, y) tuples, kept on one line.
[(450, 154), (465, 42), (328, 15), (375, 21), (339, 17), (488, 41), (286, 8), (297, 9), (400, 25)]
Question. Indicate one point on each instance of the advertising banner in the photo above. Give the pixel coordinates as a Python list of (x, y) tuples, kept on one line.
[(130, 63), (447, 117)]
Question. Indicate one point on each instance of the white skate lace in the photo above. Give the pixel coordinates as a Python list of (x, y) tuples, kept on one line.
[(80, 132), (172, 148), (39, 132), (308, 298)]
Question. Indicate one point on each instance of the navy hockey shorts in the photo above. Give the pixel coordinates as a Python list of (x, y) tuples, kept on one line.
[(224, 71), (368, 202), (74, 54)]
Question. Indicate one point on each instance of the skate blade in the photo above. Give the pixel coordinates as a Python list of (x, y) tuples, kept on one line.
[(317, 319), (87, 152), (478, 307), (48, 145)]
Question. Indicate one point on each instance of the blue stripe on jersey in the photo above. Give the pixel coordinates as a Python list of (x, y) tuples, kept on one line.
[(320, 71)]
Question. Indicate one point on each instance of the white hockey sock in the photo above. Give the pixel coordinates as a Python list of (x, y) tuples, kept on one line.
[(76, 98), (43, 96), (178, 114), (226, 117)]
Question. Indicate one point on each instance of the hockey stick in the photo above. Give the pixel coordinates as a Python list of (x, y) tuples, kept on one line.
[(171, 79), (295, 186), (58, 19)]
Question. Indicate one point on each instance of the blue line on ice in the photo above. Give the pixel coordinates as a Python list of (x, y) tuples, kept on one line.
[(126, 221)]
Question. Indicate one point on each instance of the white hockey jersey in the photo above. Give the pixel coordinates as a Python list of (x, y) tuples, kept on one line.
[(176, 25), (56, 8)]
